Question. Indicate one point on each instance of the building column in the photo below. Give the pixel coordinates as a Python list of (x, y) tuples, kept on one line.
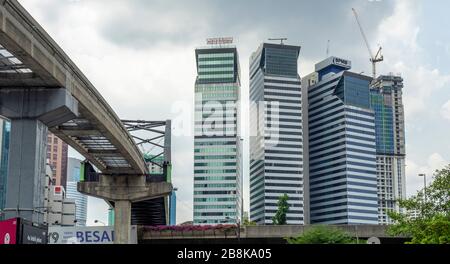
[(25, 180), (31, 112), (122, 221), (123, 190)]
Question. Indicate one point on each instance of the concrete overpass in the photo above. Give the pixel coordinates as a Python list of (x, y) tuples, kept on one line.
[(41, 88), (268, 234)]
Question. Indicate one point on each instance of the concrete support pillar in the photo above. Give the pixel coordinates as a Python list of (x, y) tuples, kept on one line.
[(123, 190), (25, 180), (122, 221), (31, 112)]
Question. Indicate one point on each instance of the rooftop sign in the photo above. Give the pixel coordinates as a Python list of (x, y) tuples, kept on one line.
[(333, 61), (223, 40), (341, 62)]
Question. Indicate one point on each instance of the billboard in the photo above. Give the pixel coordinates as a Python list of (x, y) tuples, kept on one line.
[(20, 231), (223, 40), (85, 235), (31, 233), (8, 231)]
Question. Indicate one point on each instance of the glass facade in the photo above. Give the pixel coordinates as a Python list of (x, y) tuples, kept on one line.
[(381, 103), (217, 145), (386, 101), (173, 208), (81, 200), (281, 62), (111, 216), (353, 91), (276, 135), (216, 67), (341, 150), (5, 130)]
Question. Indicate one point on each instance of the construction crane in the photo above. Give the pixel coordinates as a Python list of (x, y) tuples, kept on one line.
[(280, 39), (374, 59)]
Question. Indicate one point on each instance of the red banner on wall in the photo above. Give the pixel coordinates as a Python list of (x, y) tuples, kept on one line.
[(8, 230)]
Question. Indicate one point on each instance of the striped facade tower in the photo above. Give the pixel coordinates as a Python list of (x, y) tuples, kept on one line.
[(341, 146), (276, 144)]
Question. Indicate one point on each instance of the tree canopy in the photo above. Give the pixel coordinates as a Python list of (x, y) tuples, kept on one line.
[(247, 222), (431, 221), (283, 208), (322, 234)]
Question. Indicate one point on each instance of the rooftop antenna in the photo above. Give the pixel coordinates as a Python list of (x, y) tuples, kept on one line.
[(328, 48), (280, 39)]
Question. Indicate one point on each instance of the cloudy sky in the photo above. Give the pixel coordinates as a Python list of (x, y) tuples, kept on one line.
[(140, 56)]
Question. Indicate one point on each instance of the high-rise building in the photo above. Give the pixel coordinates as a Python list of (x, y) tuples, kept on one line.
[(57, 151), (386, 101), (217, 142), (153, 167), (58, 210), (156, 168), (5, 130), (276, 139), (341, 145), (111, 216), (81, 200), (173, 207)]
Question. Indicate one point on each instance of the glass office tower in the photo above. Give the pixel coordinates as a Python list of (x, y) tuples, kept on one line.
[(276, 144), (217, 144), (81, 200), (5, 130), (342, 146), (386, 101)]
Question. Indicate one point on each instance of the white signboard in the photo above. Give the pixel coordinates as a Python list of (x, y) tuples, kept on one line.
[(223, 40), (85, 235), (341, 62)]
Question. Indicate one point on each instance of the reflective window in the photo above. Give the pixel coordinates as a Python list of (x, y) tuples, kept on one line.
[(356, 92), (281, 62)]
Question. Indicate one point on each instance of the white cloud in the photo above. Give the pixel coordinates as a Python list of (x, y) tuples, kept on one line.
[(420, 83), (445, 110), (398, 34), (415, 183), (401, 27), (97, 210)]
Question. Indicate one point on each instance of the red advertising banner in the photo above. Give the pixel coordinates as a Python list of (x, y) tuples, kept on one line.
[(8, 229)]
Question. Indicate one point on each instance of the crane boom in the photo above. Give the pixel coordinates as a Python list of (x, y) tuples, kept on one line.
[(363, 34), (378, 57)]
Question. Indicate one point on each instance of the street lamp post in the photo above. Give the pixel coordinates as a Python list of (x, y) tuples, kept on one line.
[(239, 231), (424, 186), (98, 221)]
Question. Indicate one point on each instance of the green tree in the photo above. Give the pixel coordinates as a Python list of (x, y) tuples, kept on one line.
[(432, 224), (247, 222), (322, 234), (283, 208)]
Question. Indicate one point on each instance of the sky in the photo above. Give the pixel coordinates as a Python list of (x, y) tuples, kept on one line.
[(140, 55)]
